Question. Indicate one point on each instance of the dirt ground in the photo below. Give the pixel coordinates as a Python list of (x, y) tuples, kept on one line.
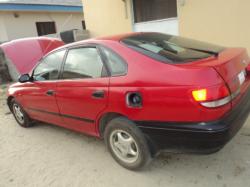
[(46, 155)]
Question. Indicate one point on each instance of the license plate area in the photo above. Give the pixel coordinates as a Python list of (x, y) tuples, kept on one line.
[(242, 77)]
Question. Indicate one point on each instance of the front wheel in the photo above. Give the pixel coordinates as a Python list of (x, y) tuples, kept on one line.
[(20, 115), (127, 144)]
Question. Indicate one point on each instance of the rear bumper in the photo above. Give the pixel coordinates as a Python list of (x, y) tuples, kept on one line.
[(204, 137)]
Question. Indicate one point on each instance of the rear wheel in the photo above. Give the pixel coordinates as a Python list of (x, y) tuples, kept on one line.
[(20, 115), (127, 144)]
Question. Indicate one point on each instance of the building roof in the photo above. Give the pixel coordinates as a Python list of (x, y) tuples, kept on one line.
[(42, 5), (44, 2)]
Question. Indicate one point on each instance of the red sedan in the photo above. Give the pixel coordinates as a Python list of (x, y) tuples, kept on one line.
[(141, 92)]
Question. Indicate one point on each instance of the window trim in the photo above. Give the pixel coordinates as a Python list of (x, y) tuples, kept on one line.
[(157, 21), (93, 45), (41, 61), (84, 46)]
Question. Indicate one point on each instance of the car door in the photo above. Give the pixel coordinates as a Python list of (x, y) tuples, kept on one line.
[(82, 92), (39, 97)]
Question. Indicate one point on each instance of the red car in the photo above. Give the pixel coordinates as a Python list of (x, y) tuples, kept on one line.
[(141, 92)]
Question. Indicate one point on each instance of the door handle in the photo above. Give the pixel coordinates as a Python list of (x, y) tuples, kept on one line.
[(50, 92), (98, 94)]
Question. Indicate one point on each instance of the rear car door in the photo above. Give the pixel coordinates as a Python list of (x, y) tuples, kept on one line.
[(82, 92), (39, 98)]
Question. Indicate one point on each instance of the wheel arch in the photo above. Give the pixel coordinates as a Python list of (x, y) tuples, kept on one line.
[(105, 119)]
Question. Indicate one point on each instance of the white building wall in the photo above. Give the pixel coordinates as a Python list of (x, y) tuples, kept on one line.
[(3, 33), (169, 26), (25, 24)]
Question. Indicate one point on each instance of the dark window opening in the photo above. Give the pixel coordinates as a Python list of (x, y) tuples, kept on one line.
[(45, 28), (83, 25), (145, 10), (171, 49)]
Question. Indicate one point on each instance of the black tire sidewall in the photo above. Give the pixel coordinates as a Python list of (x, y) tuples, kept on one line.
[(128, 126), (27, 122)]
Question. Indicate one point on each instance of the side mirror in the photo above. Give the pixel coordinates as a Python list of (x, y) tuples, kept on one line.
[(24, 78)]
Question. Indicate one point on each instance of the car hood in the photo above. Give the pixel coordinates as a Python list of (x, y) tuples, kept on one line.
[(21, 56)]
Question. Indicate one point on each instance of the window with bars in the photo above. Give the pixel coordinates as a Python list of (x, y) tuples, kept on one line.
[(145, 10), (45, 28)]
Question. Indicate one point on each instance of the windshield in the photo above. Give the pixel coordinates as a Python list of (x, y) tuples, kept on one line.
[(171, 49)]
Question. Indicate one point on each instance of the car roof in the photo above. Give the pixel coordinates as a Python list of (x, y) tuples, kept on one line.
[(119, 37)]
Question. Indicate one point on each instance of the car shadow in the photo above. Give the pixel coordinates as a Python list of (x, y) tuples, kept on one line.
[(176, 162), (65, 131)]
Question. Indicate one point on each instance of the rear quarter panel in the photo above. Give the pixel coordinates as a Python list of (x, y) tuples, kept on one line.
[(165, 88)]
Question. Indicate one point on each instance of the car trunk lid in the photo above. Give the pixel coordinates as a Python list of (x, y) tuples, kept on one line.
[(231, 65)]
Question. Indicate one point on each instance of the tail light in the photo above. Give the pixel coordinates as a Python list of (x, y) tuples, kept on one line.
[(213, 96), (248, 69), (200, 95)]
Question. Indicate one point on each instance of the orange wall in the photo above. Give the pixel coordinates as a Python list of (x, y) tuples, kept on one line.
[(107, 17), (223, 22)]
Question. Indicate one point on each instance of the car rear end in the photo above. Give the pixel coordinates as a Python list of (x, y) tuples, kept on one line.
[(232, 65), (222, 100)]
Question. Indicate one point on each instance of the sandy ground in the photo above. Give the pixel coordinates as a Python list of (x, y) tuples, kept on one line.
[(46, 155)]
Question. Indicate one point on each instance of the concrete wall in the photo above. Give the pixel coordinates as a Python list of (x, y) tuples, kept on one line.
[(107, 17), (24, 25), (223, 22), (3, 33)]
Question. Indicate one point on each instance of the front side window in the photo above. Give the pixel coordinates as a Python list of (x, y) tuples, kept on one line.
[(49, 68), (116, 64), (83, 63)]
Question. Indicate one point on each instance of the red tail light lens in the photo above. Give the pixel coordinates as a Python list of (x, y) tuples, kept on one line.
[(212, 96), (248, 69), (211, 93)]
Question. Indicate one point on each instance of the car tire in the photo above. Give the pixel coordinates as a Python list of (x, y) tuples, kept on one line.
[(127, 144), (20, 115)]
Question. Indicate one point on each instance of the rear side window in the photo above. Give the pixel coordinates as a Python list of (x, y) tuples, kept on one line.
[(50, 67), (83, 63), (117, 65), (171, 49)]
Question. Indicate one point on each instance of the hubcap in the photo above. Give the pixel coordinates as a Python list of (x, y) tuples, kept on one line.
[(18, 113), (124, 146)]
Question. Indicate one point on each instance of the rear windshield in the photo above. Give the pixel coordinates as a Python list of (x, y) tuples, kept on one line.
[(171, 49)]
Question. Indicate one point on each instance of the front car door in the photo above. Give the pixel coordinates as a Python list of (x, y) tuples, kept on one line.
[(82, 92), (39, 98)]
